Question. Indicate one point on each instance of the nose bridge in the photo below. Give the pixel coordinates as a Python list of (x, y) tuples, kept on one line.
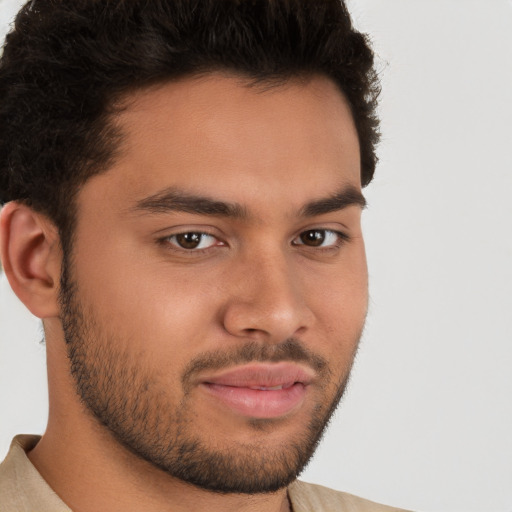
[(274, 285), (268, 299)]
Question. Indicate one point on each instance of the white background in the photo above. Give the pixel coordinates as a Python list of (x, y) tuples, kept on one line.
[(427, 421)]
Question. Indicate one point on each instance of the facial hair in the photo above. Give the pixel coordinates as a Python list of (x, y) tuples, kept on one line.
[(121, 390)]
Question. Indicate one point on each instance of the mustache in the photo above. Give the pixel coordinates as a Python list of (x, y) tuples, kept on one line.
[(289, 350)]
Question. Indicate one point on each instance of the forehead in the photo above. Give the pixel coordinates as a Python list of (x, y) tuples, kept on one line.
[(216, 135)]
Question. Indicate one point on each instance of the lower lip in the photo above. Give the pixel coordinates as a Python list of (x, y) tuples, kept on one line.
[(256, 403)]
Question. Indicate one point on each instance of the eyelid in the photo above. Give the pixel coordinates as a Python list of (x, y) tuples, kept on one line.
[(341, 238), (188, 228), (166, 240)]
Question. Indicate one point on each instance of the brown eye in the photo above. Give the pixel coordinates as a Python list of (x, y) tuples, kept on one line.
[(313, 238), (192, 240), (321, 238), (189, 240)]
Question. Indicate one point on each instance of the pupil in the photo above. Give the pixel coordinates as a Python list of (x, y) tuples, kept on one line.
[(189, 240), (314, 238)]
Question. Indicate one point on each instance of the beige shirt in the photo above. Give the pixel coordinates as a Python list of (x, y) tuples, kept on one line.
[(23, 489)]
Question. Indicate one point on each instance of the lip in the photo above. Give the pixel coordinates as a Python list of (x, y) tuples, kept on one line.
[(260, 390)]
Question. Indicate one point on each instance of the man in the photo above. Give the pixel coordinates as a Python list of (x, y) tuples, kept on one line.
[(181, 184)]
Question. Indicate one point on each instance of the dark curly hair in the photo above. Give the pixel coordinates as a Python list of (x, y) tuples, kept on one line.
[(66, 64)]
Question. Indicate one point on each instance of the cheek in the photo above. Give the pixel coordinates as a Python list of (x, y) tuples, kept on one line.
[(146, 306), (340, 305), (342, 289)]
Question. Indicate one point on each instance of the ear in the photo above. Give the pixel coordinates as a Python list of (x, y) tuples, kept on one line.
[(31, 256)]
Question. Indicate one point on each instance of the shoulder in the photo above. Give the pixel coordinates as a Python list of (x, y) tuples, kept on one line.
[(316, 498), (12, 473), (22, 489)]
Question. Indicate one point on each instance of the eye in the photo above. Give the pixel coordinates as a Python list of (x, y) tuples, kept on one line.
[(320, 238), (192, 240)]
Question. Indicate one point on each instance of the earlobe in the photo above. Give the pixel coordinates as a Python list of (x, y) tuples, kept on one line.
[(31, 257)]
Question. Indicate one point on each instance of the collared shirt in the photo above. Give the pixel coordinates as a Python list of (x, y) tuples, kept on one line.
[(23, 489)]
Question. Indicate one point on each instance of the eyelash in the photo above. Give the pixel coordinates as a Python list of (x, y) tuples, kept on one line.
[(174, 246), (341, 239)]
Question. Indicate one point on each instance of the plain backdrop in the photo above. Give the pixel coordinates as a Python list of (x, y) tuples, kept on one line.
[(427, 420)]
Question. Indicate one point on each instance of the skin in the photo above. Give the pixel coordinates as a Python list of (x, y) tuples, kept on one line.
[(160, 306)]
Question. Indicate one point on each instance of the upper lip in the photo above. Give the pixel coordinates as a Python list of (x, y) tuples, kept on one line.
[(264, 375)]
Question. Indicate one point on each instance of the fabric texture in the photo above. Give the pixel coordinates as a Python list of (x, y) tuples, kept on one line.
[(317, 498), (23, 489)]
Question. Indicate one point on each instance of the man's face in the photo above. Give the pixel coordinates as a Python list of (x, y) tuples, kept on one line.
[(217, 288)]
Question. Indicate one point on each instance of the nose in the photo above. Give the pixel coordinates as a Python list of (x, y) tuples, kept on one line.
[(267, 302)]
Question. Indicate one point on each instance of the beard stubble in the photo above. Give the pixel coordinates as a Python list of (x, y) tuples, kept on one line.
[(124, 394)]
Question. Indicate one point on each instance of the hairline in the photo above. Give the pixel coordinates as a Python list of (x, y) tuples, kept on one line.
[(120, 101)]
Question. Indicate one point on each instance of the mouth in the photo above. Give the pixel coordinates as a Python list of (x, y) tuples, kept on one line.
[(260, 391)]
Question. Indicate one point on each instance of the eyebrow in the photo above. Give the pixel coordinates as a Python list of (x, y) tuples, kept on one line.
[(347, 196), (176, 200)]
